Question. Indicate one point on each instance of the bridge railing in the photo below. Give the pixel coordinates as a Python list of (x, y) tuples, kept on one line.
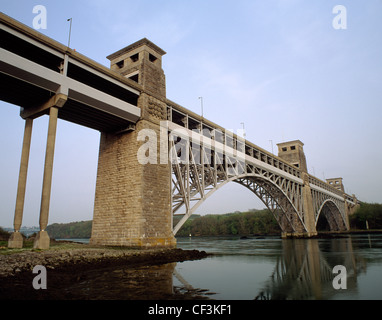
[(192, 121), (326, 186)]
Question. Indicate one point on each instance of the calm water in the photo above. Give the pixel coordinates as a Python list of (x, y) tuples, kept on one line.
[(273, 268), (248, 269)]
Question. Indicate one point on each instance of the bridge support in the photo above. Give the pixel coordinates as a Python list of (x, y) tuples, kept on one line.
[(293, 152), (133, 195), (42, 240), (133, 200), (309, 219), (16, 239)]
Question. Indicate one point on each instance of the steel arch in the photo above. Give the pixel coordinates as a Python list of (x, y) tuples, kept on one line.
[(268, 192), (332, 214)]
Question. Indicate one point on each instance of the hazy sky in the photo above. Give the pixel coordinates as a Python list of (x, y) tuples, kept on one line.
[(279, 66)]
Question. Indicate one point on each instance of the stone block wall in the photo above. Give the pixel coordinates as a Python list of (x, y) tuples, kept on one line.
[(133, 201)]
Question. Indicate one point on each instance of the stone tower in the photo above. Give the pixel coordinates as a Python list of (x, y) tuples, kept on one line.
[(336, 183), (133, 200), (141, 62), (293, 152)]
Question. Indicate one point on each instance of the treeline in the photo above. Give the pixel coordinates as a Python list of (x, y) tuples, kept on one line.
[(72, 230), (238, 223), (4, 235), (367, 212)]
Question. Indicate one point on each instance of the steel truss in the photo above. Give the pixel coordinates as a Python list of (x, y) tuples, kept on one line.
[(199, 169)]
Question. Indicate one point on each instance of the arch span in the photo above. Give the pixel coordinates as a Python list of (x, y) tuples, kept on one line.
[(332, 214), (282, 206)]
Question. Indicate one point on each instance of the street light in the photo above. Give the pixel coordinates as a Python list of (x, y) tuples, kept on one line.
[(70, 30)]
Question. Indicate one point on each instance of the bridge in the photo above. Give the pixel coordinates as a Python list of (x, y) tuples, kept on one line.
[(155, 156)]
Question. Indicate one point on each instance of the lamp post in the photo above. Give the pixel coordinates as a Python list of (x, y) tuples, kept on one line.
[(70, 30)]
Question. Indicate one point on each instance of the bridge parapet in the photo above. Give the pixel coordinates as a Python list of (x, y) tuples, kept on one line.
[(321, 184)]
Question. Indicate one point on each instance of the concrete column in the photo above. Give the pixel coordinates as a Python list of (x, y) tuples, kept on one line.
[(16, 239), (42, 240)]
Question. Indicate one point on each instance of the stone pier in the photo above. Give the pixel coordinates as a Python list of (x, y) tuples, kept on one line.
[(133, 200)]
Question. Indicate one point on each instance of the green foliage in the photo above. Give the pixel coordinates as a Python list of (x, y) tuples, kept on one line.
[(370, 212), (72, 230), (241, 223), (4, 235)]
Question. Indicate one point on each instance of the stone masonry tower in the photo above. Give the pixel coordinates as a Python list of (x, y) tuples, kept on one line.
[(336, 183), (133, 200), (293, 152)]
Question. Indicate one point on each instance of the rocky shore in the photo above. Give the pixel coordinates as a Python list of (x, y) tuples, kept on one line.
[(68, 266), (14, 264)]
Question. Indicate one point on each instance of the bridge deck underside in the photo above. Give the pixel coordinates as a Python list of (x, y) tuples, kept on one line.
[(27, 95)]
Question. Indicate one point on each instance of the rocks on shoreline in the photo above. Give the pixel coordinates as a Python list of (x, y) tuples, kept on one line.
[(68, 260)]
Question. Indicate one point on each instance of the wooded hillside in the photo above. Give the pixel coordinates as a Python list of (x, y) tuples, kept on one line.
[(239, 223), (72, 230)]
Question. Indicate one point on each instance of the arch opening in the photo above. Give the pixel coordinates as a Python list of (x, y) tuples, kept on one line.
[(329, 217), (270, 194)]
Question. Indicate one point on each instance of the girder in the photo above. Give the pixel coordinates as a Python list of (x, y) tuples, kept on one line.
[(195, 177), (201, 165)]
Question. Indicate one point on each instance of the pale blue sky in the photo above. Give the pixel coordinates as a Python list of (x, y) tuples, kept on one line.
[(279, 66)]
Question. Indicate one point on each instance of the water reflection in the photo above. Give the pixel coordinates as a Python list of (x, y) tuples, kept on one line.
[(147, 282), (249, 269), (278, 269), (129, 283), (302, 271)]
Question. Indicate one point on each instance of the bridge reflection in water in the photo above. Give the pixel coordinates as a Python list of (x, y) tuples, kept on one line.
[(303, 272), (267, 269)]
